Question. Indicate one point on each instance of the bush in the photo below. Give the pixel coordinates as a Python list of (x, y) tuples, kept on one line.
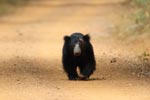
[(142, 16), (137, 22)]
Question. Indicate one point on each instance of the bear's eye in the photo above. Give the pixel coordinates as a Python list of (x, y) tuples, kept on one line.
[(72, 45)]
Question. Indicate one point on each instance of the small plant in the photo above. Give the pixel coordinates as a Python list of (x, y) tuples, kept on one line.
[(145, 54)]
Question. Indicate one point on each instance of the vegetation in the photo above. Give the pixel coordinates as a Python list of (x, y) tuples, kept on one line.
[(136, 22), (7, 6), (142, 16)]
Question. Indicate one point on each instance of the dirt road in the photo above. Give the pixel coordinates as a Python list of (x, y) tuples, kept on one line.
[(31, 41)]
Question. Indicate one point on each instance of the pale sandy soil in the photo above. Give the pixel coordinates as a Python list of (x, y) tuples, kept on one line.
[(30, 48)]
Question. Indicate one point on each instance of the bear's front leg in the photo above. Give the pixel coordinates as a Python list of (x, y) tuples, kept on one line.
[(86, 71), (72, 73)]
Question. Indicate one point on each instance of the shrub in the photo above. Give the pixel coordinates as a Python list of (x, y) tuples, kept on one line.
[(142, 16)]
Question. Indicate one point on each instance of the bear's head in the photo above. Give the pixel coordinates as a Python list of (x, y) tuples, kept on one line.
[(77, 43)]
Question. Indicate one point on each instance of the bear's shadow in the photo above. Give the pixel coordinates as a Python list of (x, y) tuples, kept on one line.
[(94, 79)]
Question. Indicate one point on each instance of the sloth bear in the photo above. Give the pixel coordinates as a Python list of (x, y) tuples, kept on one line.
[(78, 52)]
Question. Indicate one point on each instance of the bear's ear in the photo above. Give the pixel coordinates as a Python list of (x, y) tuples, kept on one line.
[(86, 37), (66, 38)]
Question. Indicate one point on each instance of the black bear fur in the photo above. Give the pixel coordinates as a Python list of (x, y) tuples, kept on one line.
[(86, 61)]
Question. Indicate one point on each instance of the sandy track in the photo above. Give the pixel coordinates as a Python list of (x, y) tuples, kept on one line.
[(31, 41)]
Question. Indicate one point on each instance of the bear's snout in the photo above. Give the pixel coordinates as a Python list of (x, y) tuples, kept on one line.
[(77, 50)]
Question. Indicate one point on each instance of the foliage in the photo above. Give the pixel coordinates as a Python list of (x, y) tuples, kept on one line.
[(137, 20), (142, 15)]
